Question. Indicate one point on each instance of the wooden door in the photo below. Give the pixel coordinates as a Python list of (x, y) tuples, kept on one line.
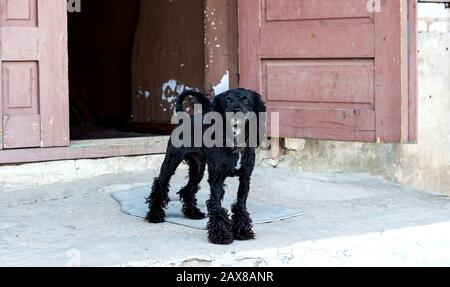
[(168, 58), (333, 69), (33, 74)]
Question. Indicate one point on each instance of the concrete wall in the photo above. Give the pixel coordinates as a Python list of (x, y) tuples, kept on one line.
[(425, 165)]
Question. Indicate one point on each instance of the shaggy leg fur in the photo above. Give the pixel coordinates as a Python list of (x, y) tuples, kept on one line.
[(219, 226), (188, 193), (159, 198), (157, 202), (242, 223)]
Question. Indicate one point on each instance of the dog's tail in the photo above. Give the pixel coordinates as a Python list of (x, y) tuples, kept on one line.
[(202, 99)]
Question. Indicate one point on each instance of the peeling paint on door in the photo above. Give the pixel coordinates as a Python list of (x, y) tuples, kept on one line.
[(170, 92), (224, 84)]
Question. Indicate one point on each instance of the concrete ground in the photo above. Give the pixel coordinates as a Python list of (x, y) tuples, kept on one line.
[(352, 220)]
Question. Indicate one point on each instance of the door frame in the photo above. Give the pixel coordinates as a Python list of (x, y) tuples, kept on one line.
[(222, 42)]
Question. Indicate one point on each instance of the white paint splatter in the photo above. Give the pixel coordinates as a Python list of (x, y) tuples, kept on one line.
[(170, 92), (147, 94), (224, 84), (140, 92)]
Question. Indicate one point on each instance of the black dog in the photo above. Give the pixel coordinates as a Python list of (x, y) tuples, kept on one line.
[(222, 162)]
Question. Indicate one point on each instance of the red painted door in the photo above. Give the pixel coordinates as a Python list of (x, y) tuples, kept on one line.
[(333, 69), (33, 74)]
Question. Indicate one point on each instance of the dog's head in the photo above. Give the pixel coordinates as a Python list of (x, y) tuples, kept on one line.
[(246, 106)]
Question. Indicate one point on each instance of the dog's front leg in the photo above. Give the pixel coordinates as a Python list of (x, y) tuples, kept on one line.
[(242, 223), (219, 225)]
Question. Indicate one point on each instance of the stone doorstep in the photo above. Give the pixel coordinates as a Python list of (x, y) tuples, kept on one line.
[(14, 177)]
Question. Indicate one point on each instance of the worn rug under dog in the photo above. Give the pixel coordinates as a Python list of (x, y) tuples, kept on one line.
[(132, 202)]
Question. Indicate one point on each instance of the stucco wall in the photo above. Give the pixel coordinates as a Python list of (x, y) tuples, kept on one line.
[(425, 165)]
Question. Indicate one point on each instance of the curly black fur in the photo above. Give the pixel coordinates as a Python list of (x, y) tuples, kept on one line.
[(201, 98), (222, 163), (188, 193), (242, 223), (190, 209), (219, 226), (157, 201)]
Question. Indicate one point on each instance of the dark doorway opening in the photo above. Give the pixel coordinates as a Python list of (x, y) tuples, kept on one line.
[(128, 60)]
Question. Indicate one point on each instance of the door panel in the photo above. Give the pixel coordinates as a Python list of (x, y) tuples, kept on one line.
[(293, 39), (313, 9), (21, 119), (344, 124), (33, 73), (19, 13), (21, 131), (332, 69), (320, 81)]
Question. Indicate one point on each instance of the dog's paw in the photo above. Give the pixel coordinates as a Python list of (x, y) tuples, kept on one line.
[(220, 237), (242, 233), (219, 227), (155, 216), (242, 224), (194, 214)]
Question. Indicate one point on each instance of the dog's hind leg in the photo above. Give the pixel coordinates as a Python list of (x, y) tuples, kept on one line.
[(188, 193), (159, 198), (219, 225)]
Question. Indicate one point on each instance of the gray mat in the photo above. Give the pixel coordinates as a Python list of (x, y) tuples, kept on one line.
[(132, 202)]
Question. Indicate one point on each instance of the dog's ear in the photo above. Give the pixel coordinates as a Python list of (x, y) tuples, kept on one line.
[(260, 110), (217, 104), (260, 107)]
